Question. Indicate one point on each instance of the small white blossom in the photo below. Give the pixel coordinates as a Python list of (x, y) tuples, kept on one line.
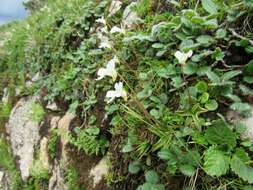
[(109, 70), (101, 20), (182, 57), (104, 41), (117, 93), (117, 29)]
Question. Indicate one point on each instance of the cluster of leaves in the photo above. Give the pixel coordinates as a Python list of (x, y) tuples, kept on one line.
[(90, 141), (72, 179), (175, 112)]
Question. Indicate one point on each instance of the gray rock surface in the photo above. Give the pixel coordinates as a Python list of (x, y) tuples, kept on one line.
[(5, 182), (24, 134), (99, 171), (56, 181)]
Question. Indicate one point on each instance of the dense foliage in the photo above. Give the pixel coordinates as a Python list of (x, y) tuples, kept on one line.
[(165, 86)]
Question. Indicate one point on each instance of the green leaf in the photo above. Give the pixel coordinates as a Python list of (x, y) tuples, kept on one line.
[(211, 105), (134, 167), (243, 108), (150, 186), (214, 78), (210, 6), (165, 154), (190, 68), (221, 33), (187, 170), (204, 98), (211, 24), (248, 79), (155, 113), (204, 39), (248, 69), (201, 86), (216, 163), (229, 75), (243, 170), (127, 148), (152, 177), (246, 90), (177, 81), (220, 134), (93, 130)]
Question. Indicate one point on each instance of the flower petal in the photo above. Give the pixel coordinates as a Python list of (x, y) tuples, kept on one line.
[(102, 72), (116, 29)]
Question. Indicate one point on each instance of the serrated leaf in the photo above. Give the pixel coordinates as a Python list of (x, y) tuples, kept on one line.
[(229, 75), (201, 86), (209, 6), (190, 68), (187, 170), (165, 154), (243, 170), (220, 33), (249, 68), (213, 77), (151, 177), (241, 107), (248, 79), (246, 90), (134, 167), (220, 134), (216, 163), (205, 39)]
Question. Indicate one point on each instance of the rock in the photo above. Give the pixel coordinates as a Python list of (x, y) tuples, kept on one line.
[(114, 7), (5, 181), (99, 171), (52, 106), (44, 156), (24, 134), (130, 17), (56, 182), (54, 122), (63, 129)]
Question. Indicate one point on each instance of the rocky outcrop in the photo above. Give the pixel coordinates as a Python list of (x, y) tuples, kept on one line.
[(24, 134), (99, 171), (5, 181), (56, 181)]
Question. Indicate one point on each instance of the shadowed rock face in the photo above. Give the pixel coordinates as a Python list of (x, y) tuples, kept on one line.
[(4, 181), (24, 134)]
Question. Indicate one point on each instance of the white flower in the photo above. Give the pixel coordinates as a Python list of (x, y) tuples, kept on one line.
[(105, 43), (116, 29), (117, 93), (182, 57), (109, 70), (101, 20)]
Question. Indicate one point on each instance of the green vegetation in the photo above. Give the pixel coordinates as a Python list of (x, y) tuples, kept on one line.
[(90, 141), (165, 86), (7, 163), (37, 112), (72, 179), (53, 143)]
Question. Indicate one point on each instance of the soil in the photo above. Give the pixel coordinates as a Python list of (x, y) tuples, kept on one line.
[(83, 164)]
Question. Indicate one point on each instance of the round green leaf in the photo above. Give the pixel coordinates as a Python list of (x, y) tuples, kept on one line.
[(211, 105)]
